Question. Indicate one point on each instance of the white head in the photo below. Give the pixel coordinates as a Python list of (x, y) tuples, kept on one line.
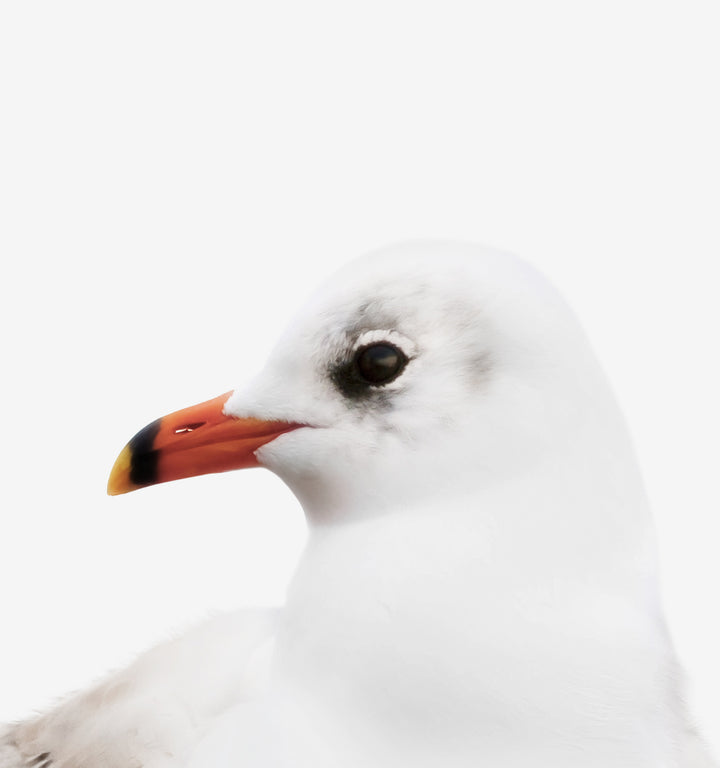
[(418, 373), (491, 375)]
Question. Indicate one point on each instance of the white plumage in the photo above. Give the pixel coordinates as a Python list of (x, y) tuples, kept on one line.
[(479, 582)]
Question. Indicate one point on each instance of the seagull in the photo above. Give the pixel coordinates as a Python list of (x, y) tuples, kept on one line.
[(479, 583)]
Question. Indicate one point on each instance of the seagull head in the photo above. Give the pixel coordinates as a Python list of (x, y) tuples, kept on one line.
[(417, 371)]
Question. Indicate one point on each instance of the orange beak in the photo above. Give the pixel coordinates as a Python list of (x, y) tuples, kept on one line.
[(194, 441)]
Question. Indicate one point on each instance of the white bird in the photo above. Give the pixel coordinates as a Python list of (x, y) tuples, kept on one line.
[(479, 584)]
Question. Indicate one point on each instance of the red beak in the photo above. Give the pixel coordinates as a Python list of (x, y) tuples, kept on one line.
[(194, 441)]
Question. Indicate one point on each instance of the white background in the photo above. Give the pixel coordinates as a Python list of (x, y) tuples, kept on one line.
[(176, 177)]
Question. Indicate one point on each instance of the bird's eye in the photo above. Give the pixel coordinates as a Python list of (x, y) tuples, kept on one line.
[(380, 363)]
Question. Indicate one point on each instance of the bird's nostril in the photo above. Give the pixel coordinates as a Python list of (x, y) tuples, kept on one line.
[(189, 427)]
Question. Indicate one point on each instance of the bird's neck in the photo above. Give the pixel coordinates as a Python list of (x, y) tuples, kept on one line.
[(557, 528), (542, 596), (573, 517)]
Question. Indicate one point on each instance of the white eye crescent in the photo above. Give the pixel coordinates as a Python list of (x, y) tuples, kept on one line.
[(388, 337)]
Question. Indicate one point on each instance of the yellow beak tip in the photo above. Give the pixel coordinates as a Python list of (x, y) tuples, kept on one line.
[(119, 481)]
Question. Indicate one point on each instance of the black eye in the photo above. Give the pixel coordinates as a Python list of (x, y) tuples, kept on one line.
[(380, 363)]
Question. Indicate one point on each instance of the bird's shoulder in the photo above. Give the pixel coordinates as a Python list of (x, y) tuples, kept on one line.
[(153, 712)]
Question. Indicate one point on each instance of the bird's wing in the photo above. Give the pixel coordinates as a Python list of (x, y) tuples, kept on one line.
[(154, 712)]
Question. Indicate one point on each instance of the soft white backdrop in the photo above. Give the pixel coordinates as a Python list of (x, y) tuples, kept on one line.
[(177, 175)]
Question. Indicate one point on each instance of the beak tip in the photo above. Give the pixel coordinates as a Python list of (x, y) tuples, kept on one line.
[(119, 481), (115, 489)]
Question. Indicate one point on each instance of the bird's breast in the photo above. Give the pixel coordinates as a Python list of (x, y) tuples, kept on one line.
[(442, 638)]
